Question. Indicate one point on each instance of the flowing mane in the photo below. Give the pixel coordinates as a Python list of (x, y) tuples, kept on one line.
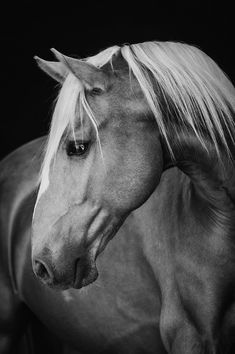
[(193, 90)]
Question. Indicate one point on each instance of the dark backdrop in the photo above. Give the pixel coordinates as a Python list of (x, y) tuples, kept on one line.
[(83, 28)]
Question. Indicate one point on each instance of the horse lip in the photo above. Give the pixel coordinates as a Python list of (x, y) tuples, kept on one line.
[(77, 284), (79, 280), (55, 285)]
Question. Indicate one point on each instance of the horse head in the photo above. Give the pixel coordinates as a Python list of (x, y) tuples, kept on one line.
[(102, 161), (121, 118)]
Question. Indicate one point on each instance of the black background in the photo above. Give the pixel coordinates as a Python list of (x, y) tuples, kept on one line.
[(84, 28)]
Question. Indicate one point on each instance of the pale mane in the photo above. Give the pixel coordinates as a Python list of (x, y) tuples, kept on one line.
[(198, 90)]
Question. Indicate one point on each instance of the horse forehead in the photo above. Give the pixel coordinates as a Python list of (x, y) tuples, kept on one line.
[(117, 63), (125, 100), (122, 79), (126, 89)]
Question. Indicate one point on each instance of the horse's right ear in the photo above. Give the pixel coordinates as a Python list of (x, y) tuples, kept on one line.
[(55, 69)]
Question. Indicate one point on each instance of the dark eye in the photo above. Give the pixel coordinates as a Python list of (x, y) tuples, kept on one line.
[(75, 148), (96, 91)]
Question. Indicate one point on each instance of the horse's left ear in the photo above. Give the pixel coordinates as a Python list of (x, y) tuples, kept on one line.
[(91, 76), (54, 69)]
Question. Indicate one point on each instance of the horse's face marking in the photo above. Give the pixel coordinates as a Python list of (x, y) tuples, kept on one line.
[(92, 188)]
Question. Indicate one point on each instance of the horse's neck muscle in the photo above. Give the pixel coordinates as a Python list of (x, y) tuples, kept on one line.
[(212, 184), (188, 246)]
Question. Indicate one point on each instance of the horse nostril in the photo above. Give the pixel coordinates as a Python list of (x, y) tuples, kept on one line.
[(41, 270)]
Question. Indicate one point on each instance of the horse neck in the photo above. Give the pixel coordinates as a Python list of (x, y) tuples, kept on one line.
[(212, 176), (187, 229), (195, 197)]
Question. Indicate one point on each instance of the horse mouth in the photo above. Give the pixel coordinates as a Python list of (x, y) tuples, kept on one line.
[(85, 268), (85, 273)]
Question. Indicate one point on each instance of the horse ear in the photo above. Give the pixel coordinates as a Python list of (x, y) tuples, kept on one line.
[(56, 70), (91, 76)]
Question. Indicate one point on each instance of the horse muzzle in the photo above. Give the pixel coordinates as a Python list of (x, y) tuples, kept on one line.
[(82, 273)]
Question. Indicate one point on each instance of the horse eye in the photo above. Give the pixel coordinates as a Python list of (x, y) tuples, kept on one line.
[(75, 148), (96, 91)]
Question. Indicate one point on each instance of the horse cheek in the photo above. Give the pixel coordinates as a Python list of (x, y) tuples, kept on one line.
[(148, 174)]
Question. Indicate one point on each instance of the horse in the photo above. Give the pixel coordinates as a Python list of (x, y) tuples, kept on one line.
[(140, 152)]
